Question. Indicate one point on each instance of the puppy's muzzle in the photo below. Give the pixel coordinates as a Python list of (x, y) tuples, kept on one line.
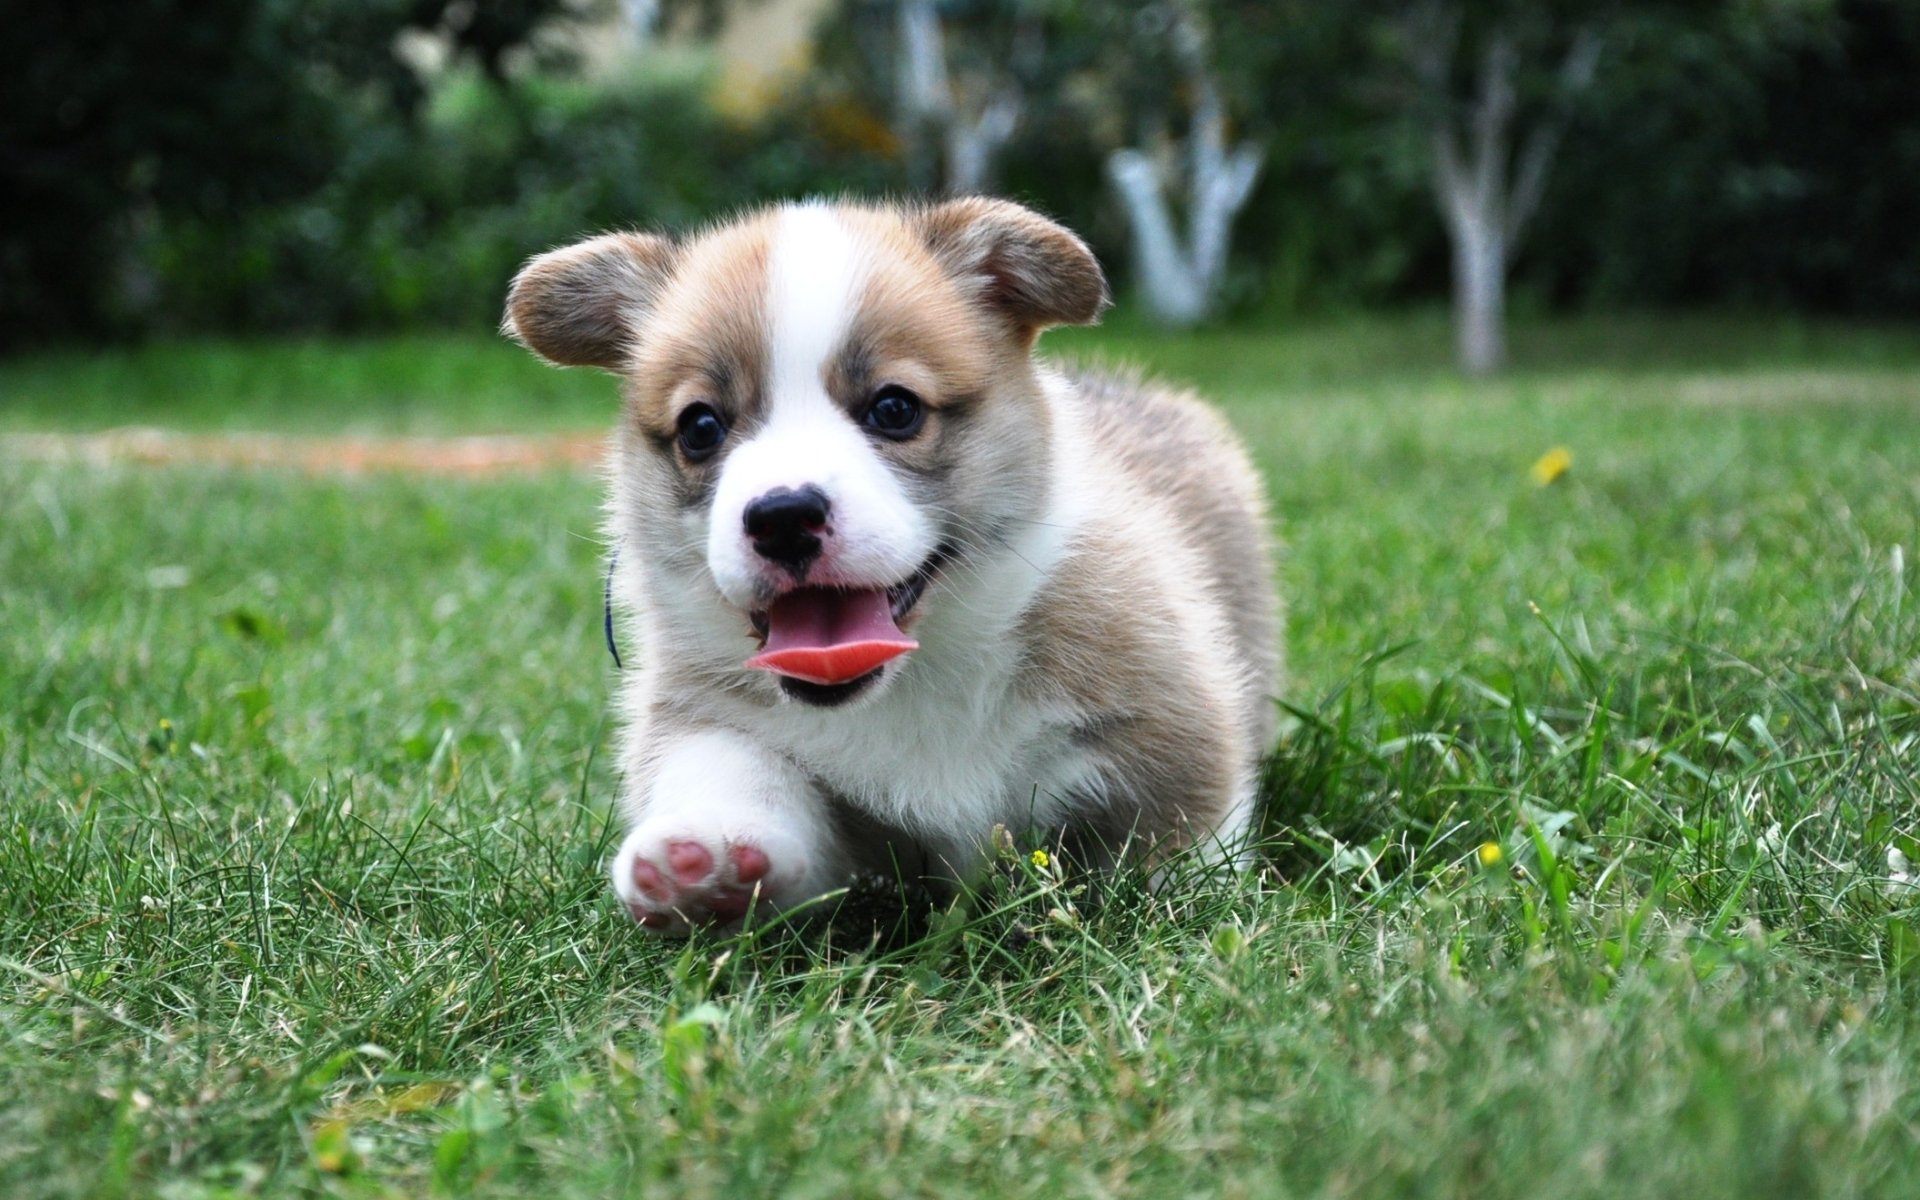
[(787, 524)]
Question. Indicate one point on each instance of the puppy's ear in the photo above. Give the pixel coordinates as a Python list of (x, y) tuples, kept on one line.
[(582, 306), (1036, 272)]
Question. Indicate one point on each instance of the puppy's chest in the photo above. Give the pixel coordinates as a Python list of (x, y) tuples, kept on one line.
[(944, 762)]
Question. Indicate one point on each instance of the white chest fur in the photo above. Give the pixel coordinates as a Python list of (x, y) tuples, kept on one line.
[(948, 751)]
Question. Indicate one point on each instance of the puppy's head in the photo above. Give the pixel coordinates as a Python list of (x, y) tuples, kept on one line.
[(832, 415)]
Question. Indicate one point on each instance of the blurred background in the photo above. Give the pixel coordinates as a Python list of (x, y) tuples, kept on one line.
[(184, 167)]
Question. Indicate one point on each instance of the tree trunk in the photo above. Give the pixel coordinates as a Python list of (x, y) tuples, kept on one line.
[(1479, 292), (1180, 271), (922, 100), (1486, 199), (973, 146), (641, 17), (922, 80), (1172, 287), (949, 148)]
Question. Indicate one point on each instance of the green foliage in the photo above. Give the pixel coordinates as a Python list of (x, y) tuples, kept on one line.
[(254, 166), (305, 819), (423, 224), (1347, 214), (274, 165), (352, 42), (120, 110), (1783, 154)]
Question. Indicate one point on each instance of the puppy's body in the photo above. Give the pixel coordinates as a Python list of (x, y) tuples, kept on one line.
[(1081, 560)]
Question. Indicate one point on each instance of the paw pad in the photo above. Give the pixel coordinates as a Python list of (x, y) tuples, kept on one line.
[(672, 883)]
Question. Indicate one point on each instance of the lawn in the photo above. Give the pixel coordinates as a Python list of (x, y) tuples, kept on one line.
[(1585, 832)]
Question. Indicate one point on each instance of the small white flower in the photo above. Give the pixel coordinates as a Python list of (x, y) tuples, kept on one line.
[(1901, 881)]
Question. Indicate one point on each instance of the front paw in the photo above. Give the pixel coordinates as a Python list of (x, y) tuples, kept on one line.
[(672, 879)]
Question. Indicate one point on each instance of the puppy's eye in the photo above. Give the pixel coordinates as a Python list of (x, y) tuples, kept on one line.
[(895, 412), (701, 431)]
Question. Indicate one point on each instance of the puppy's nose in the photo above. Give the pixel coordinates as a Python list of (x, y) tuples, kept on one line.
[(786, 523)]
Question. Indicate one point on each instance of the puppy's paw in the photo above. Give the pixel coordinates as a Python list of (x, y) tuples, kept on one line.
[(673, 878)]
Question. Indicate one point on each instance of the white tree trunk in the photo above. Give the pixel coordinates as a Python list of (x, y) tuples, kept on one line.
[(1180, 271), (973, 146), (641, 17), (1170, 284), (1485, 204), (1479, 291), (923, 91), (930, 108)]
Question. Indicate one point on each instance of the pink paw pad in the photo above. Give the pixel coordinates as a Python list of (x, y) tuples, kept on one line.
[(691, 862), (686, 882), (750, 863), (651, 883)]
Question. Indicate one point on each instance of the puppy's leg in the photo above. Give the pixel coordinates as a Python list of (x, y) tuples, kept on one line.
[(723, 825)]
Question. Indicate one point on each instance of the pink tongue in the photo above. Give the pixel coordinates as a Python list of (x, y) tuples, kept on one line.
[(829, 636)]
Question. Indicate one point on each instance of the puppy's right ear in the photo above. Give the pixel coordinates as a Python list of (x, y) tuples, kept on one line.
[(582, 306)]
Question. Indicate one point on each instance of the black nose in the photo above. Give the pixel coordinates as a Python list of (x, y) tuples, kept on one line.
[(786, 524)]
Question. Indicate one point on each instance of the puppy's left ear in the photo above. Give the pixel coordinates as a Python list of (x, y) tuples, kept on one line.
[(584, 305), (1036, 272)]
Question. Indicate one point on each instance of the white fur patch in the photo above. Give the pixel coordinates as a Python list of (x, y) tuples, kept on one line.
[(814, 277), (816, 273)]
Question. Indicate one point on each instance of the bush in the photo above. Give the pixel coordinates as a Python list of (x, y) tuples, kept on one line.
[(424, 224)]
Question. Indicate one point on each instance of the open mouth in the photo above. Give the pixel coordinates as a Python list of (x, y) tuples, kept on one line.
[(827, 643)]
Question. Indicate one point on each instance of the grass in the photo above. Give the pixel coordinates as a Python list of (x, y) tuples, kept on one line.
[(303, 811)]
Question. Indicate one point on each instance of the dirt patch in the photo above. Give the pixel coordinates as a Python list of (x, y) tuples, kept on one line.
[(314, 455)]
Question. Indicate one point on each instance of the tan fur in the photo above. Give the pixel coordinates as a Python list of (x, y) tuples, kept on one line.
[(706, 338), (1183, 453), (1163, 625)]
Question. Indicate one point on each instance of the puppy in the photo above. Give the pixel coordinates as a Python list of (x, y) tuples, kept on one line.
[(896, 581)]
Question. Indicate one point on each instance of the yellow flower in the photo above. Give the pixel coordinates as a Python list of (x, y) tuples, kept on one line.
[(1490, 854), (1549, 467), (1040, 859)]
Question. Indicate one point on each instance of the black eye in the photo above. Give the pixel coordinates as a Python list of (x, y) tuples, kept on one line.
[(701, 431), (895, 413)]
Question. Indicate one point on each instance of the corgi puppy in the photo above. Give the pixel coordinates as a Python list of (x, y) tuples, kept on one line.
[(895, 580)]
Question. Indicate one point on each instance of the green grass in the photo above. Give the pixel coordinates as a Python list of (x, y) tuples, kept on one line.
[(303, 802)]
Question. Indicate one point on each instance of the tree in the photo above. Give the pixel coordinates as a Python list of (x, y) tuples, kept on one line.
[(1144, 83), (1180, 269), (489, 31), (960, 86), (1489, 164), (1766, 159), (129, 113), (1171, 92), (1492, 87)]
